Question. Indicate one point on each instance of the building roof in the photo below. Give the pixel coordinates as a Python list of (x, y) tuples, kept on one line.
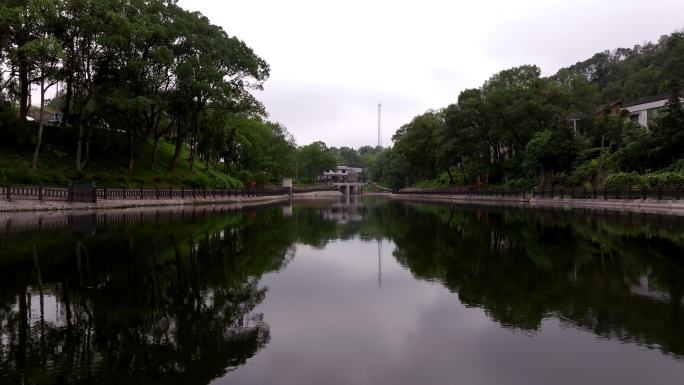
[(650, 99), (608, 107), (575, 116)]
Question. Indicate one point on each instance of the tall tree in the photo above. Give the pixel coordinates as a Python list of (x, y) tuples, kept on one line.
[(20, 21), (313, 160), (46, 53)]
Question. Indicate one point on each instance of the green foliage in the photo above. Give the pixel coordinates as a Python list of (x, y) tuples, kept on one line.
[(677, 166), (660, 179), (57, 168), (668, 134), (664, 179), (149, 70), (442, 180), (12, 129), (417, 144), (264, 151), (520, 128), (313, 160), (513, 128), (628, 74), (585, 174), (623, 180)]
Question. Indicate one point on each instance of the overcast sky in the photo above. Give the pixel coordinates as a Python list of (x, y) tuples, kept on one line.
[(332, 61)]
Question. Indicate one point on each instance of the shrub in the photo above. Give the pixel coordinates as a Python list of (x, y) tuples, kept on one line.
[(623, 180), (585, 173), (677, 166), (664, 179), (659, 179), (518, 183)]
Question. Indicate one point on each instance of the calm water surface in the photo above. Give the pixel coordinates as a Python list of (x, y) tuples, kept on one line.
[(361, 292)]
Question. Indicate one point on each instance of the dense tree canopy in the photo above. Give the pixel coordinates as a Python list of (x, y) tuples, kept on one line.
[(144, 71), (522, 129)]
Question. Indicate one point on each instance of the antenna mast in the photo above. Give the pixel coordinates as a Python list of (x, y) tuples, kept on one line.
[(379, 124)]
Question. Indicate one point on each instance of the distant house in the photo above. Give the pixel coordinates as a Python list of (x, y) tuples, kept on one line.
[(343, 174), (608, 109), (644, 110), (48, 117), (575, 120)]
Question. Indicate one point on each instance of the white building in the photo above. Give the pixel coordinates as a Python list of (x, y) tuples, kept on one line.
[(643, 111), (343, 174)]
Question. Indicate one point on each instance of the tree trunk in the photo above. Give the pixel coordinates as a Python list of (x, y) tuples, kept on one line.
[(155, 148), (193, 150), (23, 333), (206, 160), (24, 87), (157, 135), (79, 145), (67, 102), (451, 177), (41, 124), (463, 170), (82, 161), (131, 151), (179, 144), (193, 146)]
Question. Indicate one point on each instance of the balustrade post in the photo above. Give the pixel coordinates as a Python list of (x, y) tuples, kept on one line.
[(157, 192), (40, 193), (141, 193)]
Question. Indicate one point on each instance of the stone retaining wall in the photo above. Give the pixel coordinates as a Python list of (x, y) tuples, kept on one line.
[(670, 207), (19, 205)]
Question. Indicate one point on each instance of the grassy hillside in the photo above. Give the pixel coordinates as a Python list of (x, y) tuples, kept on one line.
[(108, 166)]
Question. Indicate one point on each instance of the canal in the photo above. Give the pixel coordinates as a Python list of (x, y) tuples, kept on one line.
[(358, 292)]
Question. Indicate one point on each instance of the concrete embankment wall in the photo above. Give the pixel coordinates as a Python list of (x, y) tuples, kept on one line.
[(638, 206), (19, 205), (34, 205)]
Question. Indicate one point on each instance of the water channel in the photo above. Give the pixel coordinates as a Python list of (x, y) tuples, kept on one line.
[(366, 291)]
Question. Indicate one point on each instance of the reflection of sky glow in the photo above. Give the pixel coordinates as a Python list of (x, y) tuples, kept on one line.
[(331, 324)]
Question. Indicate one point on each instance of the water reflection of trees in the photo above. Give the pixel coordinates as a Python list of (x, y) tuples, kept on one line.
[(175, 302), (143, 304), (619, 277)]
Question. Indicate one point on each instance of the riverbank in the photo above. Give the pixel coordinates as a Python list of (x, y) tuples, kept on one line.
[(650, 206), (35, 205)]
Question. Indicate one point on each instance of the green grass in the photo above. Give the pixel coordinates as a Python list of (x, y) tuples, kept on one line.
[(108, 168)]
